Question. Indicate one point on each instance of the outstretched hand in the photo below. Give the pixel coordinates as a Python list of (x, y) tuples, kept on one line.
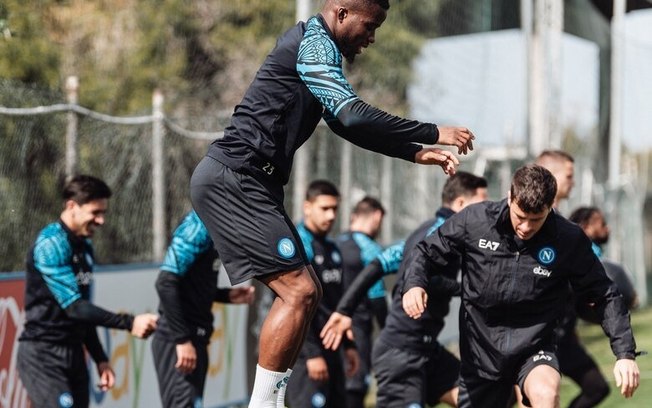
[(336, 326), (435, 156), (456, 136)]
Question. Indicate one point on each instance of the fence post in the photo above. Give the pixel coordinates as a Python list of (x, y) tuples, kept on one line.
[(72, 89), (158, 178)]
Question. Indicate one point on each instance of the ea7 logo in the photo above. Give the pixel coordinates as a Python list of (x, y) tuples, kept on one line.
[(541, 356), (486, 244)]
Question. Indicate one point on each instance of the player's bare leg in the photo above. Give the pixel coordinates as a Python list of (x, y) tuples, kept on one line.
[(542, 387), (284, 329)]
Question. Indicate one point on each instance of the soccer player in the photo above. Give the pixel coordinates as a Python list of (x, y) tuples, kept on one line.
[(187, 288), (411, 367), (237, 189), (518, 258), (359, 247), (60, 320), (319, 372)]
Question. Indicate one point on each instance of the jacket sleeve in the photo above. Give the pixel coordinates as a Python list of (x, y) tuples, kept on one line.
[(222, 295), (433, 254), (84, 311), (167, 287), (591, 285), (93, 345), (319, 65), (355, 294)]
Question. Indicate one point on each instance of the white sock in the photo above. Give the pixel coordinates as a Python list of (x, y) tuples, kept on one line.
[(266, 388), (280, 401)]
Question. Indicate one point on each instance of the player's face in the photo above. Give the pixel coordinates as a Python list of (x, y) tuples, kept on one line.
[(526, 224), (597, 229), (87, 217), (357, 29), (319, 215), (564, 174)]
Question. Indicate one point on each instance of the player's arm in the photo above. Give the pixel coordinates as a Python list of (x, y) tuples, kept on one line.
[(94, 347), (51, 259), (427, 259), (591, 284), (189, 241), (357, 121), (239, 295)]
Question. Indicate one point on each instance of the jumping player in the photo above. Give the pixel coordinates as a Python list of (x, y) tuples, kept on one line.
[(237, 189)]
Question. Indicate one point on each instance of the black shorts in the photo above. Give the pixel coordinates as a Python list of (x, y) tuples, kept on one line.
[(304, 392), (177, 389), (244, 215), (479, 392), (409, 377), (54, 375)]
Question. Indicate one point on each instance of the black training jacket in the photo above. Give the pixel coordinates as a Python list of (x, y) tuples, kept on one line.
[(513, 291)]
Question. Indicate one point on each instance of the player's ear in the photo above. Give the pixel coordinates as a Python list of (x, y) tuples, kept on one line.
[(69, 204), (342, 13)]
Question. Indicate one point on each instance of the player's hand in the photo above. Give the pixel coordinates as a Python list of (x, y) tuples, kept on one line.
[(144, 325), (317, 369), (352, 361), (107, 376), (627, 376), (439, 157), (186, 357), (242, 295), (456, 136), (415, 301), (336, 326)]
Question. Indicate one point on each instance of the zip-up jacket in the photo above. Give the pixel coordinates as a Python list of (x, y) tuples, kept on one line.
[(513, 291)]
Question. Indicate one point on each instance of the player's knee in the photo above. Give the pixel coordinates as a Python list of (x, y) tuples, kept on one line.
[(306, 297), (544, 395)]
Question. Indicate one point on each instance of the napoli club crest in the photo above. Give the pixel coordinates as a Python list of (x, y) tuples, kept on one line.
[(547, 255)]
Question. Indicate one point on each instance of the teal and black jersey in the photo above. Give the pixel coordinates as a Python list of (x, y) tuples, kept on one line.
[(187, 284), (59, 272), (358, 249), (301, 82)]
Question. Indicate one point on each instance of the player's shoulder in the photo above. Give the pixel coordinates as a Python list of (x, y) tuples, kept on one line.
[(317, 44), (52, 242)]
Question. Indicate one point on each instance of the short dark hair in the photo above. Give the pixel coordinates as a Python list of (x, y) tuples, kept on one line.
[(558, 155), (384, 4), (368, 205), (533, 188), (582, 215), (321, 187), (461, 184), (83, 189)]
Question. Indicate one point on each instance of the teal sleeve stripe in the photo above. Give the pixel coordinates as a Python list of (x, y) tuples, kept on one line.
[(319, 65), (52, 255), (390, 259), (190, 240), (306, 241)]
